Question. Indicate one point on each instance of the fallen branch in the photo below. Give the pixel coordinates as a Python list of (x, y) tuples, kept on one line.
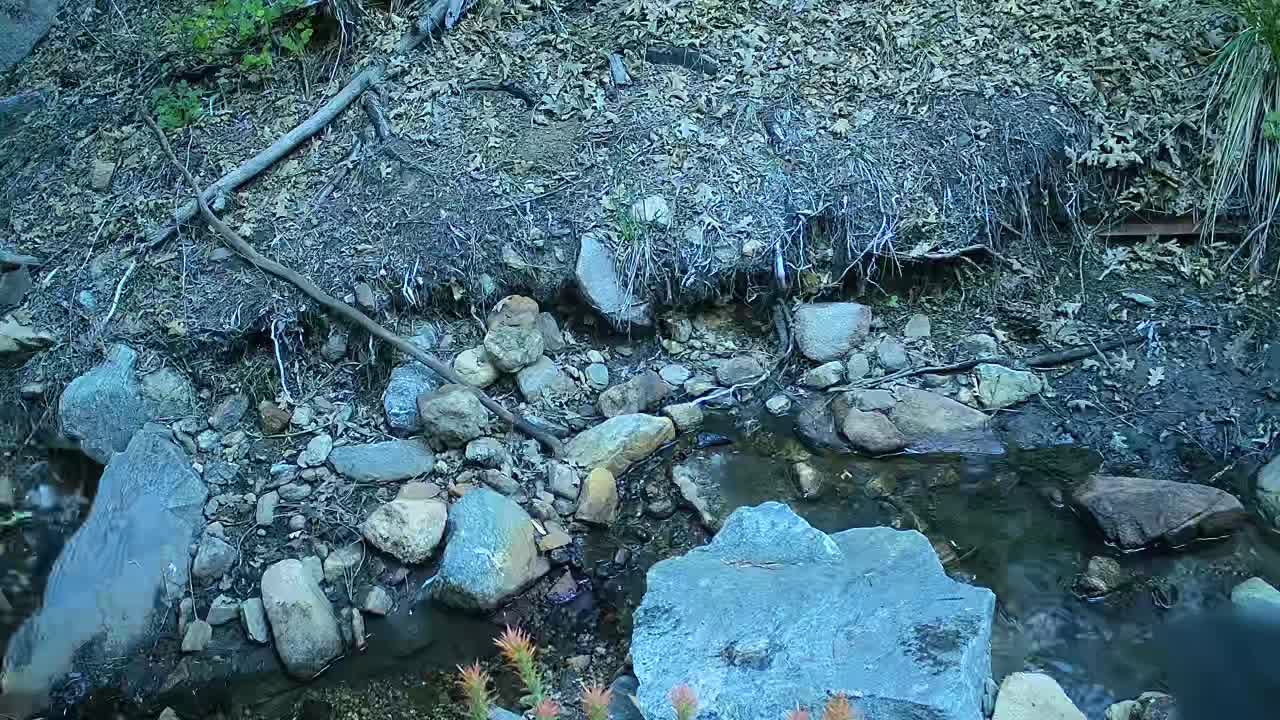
[(1046, 360), (339, 308), (9, 259)]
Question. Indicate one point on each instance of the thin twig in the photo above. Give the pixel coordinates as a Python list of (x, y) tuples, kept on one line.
[(341, 309), (115, 301)]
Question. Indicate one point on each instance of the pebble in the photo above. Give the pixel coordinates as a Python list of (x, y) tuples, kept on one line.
[(273, 418), (316, 452), (265, 514), (686, 416), (223, 610), (298, 522), (778, 405), (293, 492), (228, 412), (377, 601), (598, 375), (197, 636), (857, 367), (208, 440), (675, 374), (302, 416), (235, 438), (892, 355), (918, 327)]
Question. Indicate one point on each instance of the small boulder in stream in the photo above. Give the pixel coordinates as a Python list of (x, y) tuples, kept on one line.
[(738, 621), (1034, 696), (932, 421), (619, 442), (828, 331), (490, 553), (302, 620), (131, 556), (872, 432), (104, 407), (1134, 513)]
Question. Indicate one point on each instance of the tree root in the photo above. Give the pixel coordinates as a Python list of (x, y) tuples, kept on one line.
[(1046, 360), (339, 308)]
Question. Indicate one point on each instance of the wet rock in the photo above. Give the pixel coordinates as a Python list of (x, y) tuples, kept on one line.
[(265, 512), (599, 284), (400, 398), (490, 554), (20, 339), (808, 479), (1033, 696), (272, 418), (132, 550), (1267, 491), (918, 327), (562, 480), (380, 462), (302, 620), (197, 636), (979, 346), (652, 210), (227, 413), (475, 369), (552, 338), (1256, 594), (857, 367), (700, 385), (377, 601), (892, 355), (453, 415), (487, 452), (618, 443), (1102, 576), (409, 530), (698, 481), (253, 617), (769, 588), (513, 311), (168, 393), (823, 376), (541, 380), (103, 408), (872, 432), (1136, 512), (675, 374), (598, 375), (828, 331), (214, 558), (816, 427), (778, 405), (334, 348), (921, 415), (1002, 387), (598, 499), (511, 348), (737, 370), (223, 610), (686, 416), (642, 392), (1148, 706), (316, 451)]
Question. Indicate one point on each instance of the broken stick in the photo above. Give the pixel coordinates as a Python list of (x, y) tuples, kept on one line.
[(341, 309)]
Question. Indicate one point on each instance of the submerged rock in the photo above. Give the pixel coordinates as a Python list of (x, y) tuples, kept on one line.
[(1002, 387), (1149, 706), (599, 284), (738, 620), (387, 461), (618, 443), (1102, 576), (1137, 512), (104, 407), (302, 620), (130, 557), (490, 553), (828, 331), (400, 399), (1034, 696)]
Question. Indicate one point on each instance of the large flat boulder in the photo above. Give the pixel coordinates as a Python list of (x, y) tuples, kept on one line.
[(386, 461), (773, 613), (113, 586), (1137, 512)]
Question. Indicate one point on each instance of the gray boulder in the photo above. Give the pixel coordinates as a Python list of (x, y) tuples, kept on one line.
[(816, 426), (409, 530), (1267, 491), (738, 620), (598, 282), (541, 380), (872, 432), (1256, 594), (698, 481), (512, 347), (1136, 512), (453, 415), (214, 557), (828, 331), (737, 370), (168, 393), (104, 407), (925, 417), (892, 354), (387, 461), (619, 442), (490, 553), (400, 399), (1002, 387), (642, 392), (302, 621), (1033, 696), (823, 376), (118, 577), (23, 23)]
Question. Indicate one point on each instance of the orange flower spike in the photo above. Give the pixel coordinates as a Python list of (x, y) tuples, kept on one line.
[(838, 708), (595, 702), (546, 710), (515, 644), (798, 714), (474, 683), (685, 701)]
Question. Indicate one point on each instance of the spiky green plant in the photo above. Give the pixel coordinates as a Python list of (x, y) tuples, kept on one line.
[(518, 651), (474, 683), (1245, 103)]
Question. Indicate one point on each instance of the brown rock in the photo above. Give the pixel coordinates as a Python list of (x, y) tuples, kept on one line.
[(872, 432), (274, 419), (598, 499), (514, 311)]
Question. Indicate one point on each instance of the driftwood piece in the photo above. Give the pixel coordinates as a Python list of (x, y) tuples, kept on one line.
[(341, 309), (1046, 360)]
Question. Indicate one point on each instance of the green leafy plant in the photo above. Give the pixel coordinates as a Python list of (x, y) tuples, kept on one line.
[(295, 40), (1243, 101), (245, 27), (1271, 126), (176, 106), (684, 701)]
